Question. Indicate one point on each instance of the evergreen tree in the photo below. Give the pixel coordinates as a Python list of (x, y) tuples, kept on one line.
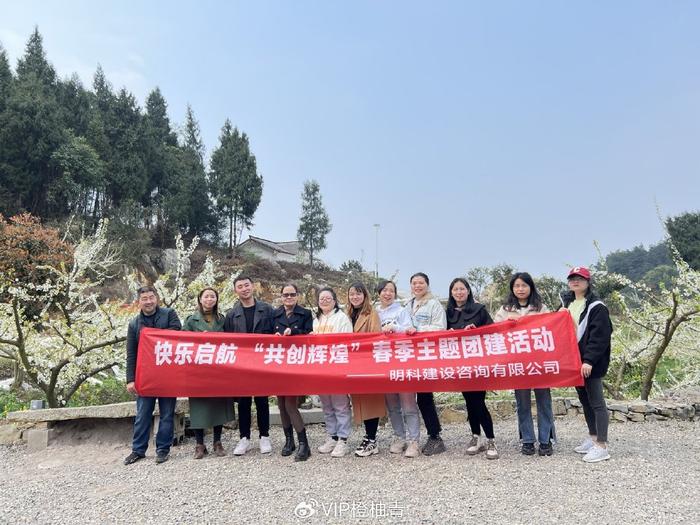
[(161, 161), (6, 79), (314, 223), (32, 130), (8, 205), (684, 230), (128, 177), (236, 185), (200, 218)]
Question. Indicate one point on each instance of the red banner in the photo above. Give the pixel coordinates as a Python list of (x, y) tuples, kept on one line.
[(535, 351)]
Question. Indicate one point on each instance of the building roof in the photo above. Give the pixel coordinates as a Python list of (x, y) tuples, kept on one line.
[(288, 247)]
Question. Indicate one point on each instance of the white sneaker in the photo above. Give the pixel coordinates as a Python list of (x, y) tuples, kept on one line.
[(242, 447), (340, 449), (265, 445), (584, 447), (412, 450), (491, 452), (397, 446), (328, 446), (596, 454), (475, 446)]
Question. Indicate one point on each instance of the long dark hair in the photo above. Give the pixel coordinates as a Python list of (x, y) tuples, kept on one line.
[(366, 307), (215, 309), (451, 303), (534, 300), (330, 290)]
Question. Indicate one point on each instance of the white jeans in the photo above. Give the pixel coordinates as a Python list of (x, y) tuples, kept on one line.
[(337, 413)]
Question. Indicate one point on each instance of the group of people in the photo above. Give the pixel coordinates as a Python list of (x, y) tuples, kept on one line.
[(422, 313)]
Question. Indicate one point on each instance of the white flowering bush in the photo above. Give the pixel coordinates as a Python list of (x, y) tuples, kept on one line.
[(658, 329), (73, 336)]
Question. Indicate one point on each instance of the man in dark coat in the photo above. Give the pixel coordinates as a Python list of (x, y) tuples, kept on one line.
[(151, 316)]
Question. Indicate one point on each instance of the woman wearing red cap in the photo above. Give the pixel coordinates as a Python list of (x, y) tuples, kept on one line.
[(593, 329)]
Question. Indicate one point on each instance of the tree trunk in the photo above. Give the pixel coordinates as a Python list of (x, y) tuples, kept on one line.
[(17, 376), (230, 232), (235, 230)]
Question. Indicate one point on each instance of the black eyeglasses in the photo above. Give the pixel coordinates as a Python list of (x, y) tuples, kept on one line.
[(287, 295)]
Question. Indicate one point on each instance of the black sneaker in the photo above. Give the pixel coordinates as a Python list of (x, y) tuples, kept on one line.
[(433, 446), (545, 449), (162, 457), (132, 458), (528, 449), (368, 447)]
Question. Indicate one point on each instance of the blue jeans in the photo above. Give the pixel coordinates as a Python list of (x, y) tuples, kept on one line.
[(545, 416), (144, 418)]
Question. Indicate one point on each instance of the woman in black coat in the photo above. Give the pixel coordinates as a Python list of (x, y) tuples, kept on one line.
[(464, 312), (594, 331), (288, 320)]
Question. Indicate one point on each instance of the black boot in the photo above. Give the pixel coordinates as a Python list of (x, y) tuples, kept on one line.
[(304, 451), (289, 445)]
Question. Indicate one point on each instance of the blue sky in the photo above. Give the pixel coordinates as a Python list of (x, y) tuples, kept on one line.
[(474, 133)]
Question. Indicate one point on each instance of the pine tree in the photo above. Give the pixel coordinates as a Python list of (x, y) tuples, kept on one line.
[(236, 185), (314, 223), (32, 130)]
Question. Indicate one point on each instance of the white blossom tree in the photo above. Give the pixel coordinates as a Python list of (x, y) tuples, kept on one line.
[(73, 336), (658, 324)]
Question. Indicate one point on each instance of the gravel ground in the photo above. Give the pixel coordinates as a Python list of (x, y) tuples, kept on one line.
[(653, 477)]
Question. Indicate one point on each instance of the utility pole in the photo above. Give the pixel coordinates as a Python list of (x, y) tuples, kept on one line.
[(376, 250)]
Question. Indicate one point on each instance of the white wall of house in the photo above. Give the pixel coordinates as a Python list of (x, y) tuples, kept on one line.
[(265, 253)]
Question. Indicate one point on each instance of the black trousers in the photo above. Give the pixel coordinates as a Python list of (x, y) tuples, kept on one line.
[(262, 409), (479, 416), (594, 408), (426, 405)]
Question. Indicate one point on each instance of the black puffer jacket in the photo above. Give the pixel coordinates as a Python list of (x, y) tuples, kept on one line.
[(594, 346)]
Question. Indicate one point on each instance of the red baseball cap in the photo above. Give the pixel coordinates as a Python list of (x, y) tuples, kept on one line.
[(580, 270)]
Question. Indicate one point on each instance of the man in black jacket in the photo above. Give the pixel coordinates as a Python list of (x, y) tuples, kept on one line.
[(249, 316), (150, 316)]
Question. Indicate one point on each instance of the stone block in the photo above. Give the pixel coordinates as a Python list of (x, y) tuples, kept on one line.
[(641, 407), (618, 407), (656, 417), (685, 412), (559, 407), (619, 416), (10, 433), (311, 416), (39, 438), (453, 415), (637, 417), (502, 408)]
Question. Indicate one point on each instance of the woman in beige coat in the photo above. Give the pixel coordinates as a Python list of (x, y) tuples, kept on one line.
[(366, 408), (522, 300)]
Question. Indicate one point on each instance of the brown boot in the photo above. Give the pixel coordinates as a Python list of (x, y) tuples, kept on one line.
[(219, 449), (200, 451)]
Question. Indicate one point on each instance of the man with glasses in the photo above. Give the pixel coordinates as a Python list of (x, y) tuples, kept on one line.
[(150, 316), (250, 316)]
